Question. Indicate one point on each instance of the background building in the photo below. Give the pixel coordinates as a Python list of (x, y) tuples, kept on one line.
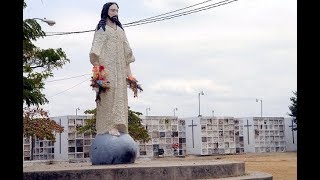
[(70, 144), (264, 134), (42, 150), (168, 137), (211, 135)]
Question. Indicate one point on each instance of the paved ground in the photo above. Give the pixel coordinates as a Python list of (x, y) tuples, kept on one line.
[(283, 166)]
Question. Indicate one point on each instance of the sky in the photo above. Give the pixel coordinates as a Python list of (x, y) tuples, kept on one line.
[(234, 53)]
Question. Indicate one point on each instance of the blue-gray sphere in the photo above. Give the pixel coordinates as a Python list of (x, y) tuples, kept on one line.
[(109, 149)]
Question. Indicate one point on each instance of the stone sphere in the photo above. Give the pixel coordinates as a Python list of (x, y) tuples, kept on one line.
[(109, 149)]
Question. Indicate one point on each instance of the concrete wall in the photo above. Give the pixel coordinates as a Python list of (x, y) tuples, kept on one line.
[(291, 137), (249, 144), (61, 144), (197, 135)]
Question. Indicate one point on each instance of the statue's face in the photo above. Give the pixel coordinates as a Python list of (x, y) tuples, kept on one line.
[(113, 10)]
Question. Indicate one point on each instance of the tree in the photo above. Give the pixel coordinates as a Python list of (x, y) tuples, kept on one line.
[(135, 128), (37, 124), (293, 108), (37, 63)]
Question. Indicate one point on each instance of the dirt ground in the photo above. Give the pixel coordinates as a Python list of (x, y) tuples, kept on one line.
[(283, 166)]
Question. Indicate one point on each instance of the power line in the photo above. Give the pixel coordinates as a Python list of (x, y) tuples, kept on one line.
[(154, 19), (183, 13), (168, 12), (68, 78), (69, 88)]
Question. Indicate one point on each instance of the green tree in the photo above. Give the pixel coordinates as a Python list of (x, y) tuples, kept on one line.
[(293, 107), (37, 124), (37, 67), (135, 128), (37, 63)]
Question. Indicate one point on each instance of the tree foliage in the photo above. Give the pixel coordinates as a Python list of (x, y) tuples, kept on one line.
[(293, 107), (36, 123), (135, 128), (37, 63)]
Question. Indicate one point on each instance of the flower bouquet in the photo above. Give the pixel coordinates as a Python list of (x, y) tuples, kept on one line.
[(133, 85), (99, 81)]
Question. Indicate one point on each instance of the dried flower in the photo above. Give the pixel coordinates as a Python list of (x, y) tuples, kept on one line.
[(134, 86)]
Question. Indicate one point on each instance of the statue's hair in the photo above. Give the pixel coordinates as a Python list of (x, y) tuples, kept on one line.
[(104, 15)]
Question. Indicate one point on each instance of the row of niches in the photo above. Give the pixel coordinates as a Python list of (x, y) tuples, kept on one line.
[(78, 155), (80, 142), (219, 139), (72, 122), (156, 147), (218, 151), (270, 149), (270, 144), (238, 133), (80, 135), (163, 141), (169, 152), (167, 140), (268, 121), (270, 138), (269, 127), (217, 128), (43, 150), (40, 143), (78, 149), (216, 121), (168, 134), (218, 133), (43, 157), (163, 127), (269, 132), (205, 145), (164, 122), (216, 139)]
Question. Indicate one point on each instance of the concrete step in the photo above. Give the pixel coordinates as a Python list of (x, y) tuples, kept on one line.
[(153, 171), (254, 175)]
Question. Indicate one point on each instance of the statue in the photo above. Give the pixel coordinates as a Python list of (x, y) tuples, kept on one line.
[(111, 55)]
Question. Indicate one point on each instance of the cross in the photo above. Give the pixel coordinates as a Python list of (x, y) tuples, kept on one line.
[(247, 129), (292, 131), (192, 132)]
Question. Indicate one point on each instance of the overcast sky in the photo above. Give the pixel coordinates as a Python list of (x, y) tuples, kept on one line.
[(234, 53)]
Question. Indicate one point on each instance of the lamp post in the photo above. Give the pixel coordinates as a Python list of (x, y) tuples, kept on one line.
[(49, 22), (200, 93), (77, 112), (147, 109), (257, 100), (174, 111), (212, 113)]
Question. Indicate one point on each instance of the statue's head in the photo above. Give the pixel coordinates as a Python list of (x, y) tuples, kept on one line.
[(109, 11)]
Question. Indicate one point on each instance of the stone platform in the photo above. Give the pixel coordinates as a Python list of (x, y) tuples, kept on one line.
[(154, 170)]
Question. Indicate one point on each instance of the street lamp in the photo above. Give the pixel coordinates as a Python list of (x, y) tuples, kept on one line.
[(49, 22), (147, 109), (200, 93), (77, 112), (257, 100), (212, 113), (174, 111)]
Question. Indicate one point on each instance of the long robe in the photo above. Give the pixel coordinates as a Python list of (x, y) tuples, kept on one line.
[(111, 49)]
